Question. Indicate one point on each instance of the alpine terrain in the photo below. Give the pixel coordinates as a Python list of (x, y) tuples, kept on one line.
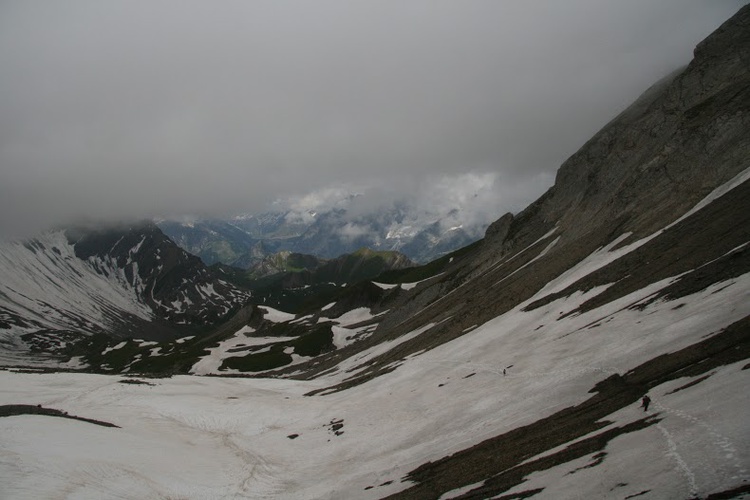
[(64, 286), (594, 345), (245, 240)]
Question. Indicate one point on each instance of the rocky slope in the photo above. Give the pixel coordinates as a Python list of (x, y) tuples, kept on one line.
[(299, 270)]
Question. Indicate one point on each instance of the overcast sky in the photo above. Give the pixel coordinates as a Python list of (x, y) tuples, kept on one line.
[(140, 108)]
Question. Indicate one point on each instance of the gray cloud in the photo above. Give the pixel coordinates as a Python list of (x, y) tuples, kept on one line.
[(127, 109), (471, 200)]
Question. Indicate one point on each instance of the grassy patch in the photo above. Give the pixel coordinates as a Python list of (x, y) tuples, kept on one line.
[(317, 342), (414, 274), (275, 358), (314, 343)]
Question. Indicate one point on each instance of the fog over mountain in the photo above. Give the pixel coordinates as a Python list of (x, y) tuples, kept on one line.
[(127, 110), (434, 198)]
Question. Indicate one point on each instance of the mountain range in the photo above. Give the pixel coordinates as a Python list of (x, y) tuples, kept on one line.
[(245, 240), (512, 367)]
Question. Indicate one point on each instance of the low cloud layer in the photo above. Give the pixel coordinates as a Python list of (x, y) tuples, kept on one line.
[(469, 200), (121, 109)]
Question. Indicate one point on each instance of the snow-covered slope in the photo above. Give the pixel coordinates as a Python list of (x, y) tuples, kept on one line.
[(122, 282), (44, 287), (255, 438), (505, 408), (46, 272), (175, 284)]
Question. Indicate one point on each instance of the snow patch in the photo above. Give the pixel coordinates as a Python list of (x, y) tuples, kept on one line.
[(118, 346), (275, 315)]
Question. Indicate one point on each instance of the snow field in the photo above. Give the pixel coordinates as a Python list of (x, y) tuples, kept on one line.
[(275, 315), (205, 437), (342, 336), (211, 363), (43, 282), (686, 455), (186, 437)]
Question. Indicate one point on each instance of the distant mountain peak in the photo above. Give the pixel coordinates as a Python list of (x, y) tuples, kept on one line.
[(325, 233)]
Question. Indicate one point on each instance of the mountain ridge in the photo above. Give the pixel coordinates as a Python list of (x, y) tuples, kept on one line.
[(243, 241), (120, 282)]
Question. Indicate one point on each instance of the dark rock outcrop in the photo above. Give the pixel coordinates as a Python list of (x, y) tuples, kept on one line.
[(498, 230)]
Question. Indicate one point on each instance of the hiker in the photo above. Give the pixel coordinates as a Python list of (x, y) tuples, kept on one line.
[(503, 371), (645, 401)]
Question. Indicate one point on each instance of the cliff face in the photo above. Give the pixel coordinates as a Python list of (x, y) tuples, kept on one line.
[(679, 140), (683, 137)]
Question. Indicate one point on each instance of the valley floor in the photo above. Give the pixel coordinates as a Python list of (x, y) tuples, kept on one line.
[(211, 437)]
